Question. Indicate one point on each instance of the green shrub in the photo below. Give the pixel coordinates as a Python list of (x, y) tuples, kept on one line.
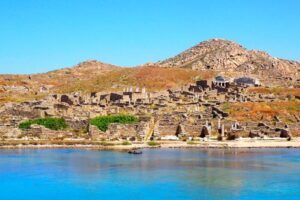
[(153, 143), (51, 123), (191, 143), (102, 122), (126, 143)]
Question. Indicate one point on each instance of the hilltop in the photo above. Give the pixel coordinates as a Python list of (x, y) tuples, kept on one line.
[(225, 55)]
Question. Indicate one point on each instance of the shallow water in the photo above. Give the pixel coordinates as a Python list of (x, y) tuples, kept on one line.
[(156, 174)]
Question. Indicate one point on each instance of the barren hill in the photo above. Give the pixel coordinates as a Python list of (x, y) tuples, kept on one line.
[(22, 87), (58, 77), (224, 55)]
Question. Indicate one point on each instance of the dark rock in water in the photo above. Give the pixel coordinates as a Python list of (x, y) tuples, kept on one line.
[(134, 151)]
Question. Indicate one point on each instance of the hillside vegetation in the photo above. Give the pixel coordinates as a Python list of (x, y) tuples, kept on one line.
[(102, 122), (51, 123)]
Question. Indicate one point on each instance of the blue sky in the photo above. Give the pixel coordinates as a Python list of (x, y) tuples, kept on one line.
[(39, 35)]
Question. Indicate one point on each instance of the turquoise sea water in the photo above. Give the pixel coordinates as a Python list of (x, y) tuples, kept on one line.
[(156, 174)]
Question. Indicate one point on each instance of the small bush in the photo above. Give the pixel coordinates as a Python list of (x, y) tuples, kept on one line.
[(51, 123), (191, 143), (102, 122), (126, 143), (153, 143)]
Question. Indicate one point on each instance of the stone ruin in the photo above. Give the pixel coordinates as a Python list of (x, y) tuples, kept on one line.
[(177, 114)]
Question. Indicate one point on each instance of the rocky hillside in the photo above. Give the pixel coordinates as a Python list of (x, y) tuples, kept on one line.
[(224, 55)]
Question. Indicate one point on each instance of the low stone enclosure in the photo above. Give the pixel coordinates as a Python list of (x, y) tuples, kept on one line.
[(191, 112)]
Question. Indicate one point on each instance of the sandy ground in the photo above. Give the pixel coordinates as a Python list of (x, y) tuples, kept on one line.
[(244, 143)]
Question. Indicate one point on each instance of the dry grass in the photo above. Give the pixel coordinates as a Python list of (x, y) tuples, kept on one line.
[(275, 90), (97, 78), (152, 78), (13, 97), (256, 111)]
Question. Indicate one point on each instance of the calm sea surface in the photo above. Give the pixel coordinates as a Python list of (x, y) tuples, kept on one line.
[(156, 174)]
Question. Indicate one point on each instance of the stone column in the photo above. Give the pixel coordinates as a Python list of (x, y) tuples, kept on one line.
[(223, 131)]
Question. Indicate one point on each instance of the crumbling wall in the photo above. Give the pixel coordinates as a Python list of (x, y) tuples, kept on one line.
[(123, 131)]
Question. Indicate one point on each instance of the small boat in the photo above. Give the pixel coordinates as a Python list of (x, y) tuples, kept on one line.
[(135, 151)]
